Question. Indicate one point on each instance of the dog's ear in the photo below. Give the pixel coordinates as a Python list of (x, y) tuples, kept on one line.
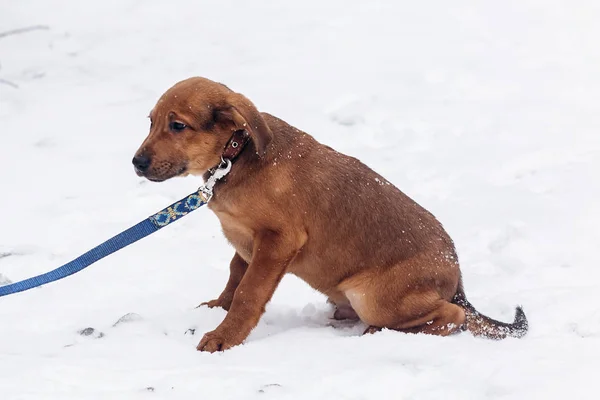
[(244, 115)]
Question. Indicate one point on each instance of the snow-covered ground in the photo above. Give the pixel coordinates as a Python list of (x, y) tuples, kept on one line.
[(485, 112)]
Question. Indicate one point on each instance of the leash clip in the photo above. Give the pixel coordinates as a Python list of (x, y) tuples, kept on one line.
[(221, 171)]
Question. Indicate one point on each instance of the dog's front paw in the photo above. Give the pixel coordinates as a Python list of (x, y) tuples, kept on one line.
[(224, 304), (216, 341)]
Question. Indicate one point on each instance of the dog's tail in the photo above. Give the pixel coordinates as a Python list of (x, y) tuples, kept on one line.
[(481, 325)]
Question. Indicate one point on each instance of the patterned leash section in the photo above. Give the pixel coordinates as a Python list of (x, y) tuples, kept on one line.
[(150, 225)]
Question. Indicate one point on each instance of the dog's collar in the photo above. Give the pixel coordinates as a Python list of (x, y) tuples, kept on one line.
[(236, 144), (233, 148)]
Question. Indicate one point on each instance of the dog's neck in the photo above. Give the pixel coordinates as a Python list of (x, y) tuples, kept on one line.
[(242, 154), (235, 146), (249, 163)]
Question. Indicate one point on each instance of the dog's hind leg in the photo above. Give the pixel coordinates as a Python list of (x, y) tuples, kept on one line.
[(444, 320), (440, 318), (404, 298), (237, 269)]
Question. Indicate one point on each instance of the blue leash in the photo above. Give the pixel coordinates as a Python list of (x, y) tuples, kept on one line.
[(148, 226)]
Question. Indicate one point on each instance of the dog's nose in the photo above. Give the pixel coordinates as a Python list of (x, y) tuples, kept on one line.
[(141, 162)]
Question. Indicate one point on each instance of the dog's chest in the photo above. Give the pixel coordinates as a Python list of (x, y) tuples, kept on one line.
[(238, 234)]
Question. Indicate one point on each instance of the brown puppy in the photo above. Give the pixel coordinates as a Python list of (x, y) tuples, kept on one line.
[(293, 205)]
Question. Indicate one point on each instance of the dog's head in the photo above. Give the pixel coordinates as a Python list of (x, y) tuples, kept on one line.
[(190, 127)]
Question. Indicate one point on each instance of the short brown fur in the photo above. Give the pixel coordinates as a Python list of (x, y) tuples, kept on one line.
[(293, 205)]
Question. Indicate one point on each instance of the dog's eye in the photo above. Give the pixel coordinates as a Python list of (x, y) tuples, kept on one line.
[(177, 126)]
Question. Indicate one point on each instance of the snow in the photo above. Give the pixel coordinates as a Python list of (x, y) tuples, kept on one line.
[(487, 113)]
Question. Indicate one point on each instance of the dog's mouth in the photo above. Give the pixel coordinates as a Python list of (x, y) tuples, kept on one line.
[(138, 172), (161, 173)]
